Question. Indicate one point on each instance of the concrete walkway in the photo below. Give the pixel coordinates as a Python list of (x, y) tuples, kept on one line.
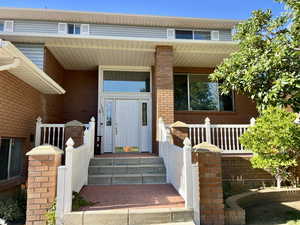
[(132, 196)]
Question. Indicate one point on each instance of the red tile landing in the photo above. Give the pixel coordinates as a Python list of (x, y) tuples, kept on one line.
[(132, 196), (125, 155)]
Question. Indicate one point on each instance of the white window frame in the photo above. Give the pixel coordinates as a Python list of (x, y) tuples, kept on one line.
[(193, 34), (74, 28), (9, 177), (187, 75)]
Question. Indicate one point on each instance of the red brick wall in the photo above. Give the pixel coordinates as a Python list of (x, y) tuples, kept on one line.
[(234, 168), (244, 108), (20, 105), (81, 98), (53, 112)]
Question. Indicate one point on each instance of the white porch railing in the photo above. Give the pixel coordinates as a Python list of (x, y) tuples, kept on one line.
[(225, 136), (74, 175), (50, 133), (178, 163)]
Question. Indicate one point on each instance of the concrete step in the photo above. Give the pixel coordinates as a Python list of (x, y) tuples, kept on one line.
[(145, 178), (126, 161), (166, 216), (127, 169)]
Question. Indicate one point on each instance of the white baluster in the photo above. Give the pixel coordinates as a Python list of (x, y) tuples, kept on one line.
[(38, 131)]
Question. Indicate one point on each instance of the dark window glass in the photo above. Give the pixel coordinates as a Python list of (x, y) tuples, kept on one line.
[(108, 113), (4, 156), (202, 35), (184, 34), (16, 158), (126, 81), (180, 92), (1, 26), (204, 95), (70, 28), (226, 102), (144, 114), (77, 28)]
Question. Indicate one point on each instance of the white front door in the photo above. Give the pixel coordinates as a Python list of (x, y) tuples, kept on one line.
[(127, 126)]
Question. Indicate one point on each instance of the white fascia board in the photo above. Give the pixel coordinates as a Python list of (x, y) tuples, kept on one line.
[(39, 75)]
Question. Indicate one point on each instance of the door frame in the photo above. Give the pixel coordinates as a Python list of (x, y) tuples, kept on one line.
[(140, 96)]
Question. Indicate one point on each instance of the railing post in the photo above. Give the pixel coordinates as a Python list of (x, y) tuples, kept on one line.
[(38, 131), (92, 136), (187, 163), (207, 130), (60, 198), (68, 177), (252, 121)]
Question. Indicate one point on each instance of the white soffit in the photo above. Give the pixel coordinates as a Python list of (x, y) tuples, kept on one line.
[(27, 70)]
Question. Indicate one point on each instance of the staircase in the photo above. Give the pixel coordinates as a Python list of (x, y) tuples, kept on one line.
[(127, 170)]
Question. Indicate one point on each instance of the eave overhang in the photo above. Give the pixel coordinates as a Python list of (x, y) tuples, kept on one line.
[(27, 71)]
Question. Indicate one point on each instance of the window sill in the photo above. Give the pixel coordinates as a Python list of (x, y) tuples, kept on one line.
[(204, 112), (11, 182)]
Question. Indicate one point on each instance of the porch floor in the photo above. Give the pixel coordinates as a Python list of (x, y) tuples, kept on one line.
[(124, 155), (131, 196)]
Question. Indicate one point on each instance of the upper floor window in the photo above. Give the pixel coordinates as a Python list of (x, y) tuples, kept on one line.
[(197, 34), (73, 28), (11, 158), (196, 92), (1, 26)]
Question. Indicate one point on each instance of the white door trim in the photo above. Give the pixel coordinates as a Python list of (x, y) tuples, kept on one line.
[(142, 96)]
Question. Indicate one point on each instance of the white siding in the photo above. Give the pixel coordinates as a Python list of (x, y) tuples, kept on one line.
[(35, 52), (32, 26), (128, 31)]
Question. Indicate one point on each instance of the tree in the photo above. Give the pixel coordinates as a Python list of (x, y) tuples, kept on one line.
[(267, 65), (275, 142)]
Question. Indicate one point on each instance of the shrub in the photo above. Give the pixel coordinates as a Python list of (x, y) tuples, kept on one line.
[(10, 211), (275, 142), (50, 215), (78, 201)]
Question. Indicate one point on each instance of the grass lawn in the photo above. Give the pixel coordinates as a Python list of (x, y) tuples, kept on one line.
[(274, 214)]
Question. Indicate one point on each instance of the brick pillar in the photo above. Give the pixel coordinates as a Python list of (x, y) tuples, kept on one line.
[(42, 175), (75, 130), (163, 90), (209, 162)]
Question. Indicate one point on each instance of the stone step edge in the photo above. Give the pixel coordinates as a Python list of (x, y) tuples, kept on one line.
[(126, 166), (79, 216), (105, 158), (129, 175)]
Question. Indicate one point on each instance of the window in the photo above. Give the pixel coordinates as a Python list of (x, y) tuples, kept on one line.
[(196, 92), (144, 114), (1, 26), (11, 157), (126, 81), (73, 28), (194, 34)]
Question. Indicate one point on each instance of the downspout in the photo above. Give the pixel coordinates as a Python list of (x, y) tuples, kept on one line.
[(12, 65)]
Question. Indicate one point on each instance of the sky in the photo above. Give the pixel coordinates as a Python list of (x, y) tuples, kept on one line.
[(225, 9)]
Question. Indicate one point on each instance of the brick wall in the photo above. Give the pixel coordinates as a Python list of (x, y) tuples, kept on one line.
[(240, 168), (245, 109), (81, 98), (20, 105), (53, 112)]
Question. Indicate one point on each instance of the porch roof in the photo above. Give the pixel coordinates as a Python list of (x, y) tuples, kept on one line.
[(26, 70), (87, 52)]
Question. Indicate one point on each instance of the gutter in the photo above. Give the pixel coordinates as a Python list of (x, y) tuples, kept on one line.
[(12, 65)]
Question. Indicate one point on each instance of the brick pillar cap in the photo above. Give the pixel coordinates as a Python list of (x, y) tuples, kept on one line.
[(74, 123), (45, 150), (206, 147), (179, 124)]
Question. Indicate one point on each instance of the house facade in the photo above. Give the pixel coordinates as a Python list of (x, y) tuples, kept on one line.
[(127, 71)]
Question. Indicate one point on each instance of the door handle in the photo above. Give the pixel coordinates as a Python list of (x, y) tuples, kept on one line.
[(116, 130)]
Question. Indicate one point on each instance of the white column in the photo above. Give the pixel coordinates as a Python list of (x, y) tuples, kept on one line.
[(187, 163), (92, 137), (207, 130), (38, 131), (60, 196), (196, 193), (68, 176)]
